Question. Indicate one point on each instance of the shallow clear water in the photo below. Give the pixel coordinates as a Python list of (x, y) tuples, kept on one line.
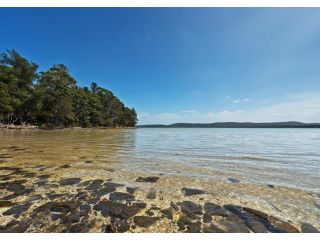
[(285, 157)]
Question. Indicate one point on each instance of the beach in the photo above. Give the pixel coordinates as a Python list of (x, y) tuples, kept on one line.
[(77, 181)]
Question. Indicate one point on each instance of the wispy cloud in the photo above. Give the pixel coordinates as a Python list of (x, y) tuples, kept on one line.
[(241, 100), (304, 107)]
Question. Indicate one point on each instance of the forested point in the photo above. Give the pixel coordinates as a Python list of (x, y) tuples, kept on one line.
[(52, 99)]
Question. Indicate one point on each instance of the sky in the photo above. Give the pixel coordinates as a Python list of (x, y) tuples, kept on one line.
[(182, 64)]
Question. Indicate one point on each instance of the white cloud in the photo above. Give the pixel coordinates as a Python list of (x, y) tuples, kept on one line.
[(241, 100), (303, 107)]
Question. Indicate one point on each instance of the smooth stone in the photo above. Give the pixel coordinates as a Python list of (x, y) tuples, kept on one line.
[(233, 180), (131, 189), (192, 191), (190, 207), (308, 228), (214, 209), (144, 221), (69, 181), (120, 196), (147, 179)]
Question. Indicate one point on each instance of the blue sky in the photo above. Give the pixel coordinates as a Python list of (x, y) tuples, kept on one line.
[(180, 64)]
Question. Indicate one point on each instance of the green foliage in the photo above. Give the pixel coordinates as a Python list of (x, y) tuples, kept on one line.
[(52, 98)]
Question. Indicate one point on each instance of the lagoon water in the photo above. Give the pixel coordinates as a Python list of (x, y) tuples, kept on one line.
[(281, 157)]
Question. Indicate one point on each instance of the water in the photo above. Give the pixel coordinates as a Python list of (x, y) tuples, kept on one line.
[(285, 157), (282, 157)]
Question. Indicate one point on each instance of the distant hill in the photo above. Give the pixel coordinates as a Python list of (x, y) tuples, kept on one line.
[(291, 124)]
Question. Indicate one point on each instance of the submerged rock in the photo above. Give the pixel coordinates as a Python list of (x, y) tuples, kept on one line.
[(190, 207), (113, 184), (120, 196), (69, 181), (6, 203), (233, 180), (131, 189), (16, 211), (214, 209), (117, 209), (147, 179), (192, 191), (308, 228), (144, 221)]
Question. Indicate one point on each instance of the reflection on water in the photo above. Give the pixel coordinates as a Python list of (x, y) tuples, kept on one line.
[(287, 157)]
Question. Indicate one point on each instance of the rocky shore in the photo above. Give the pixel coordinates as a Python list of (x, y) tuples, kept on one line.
[(35, 201), (66, 188)]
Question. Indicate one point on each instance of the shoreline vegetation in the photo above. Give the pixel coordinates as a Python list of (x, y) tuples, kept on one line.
[(290, 124), (52, 99)]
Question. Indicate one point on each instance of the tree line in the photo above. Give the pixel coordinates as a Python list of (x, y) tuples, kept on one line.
[(53, 99)]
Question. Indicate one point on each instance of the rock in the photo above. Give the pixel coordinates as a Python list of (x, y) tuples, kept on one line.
[(88, 162), (258, 221), (116, 209), (65, 166), (233, 180), (270, 185), (5, 203), (16, 226), (69, 181), (174, 206), (183, 221), (113, 184), (194, 227), (151, 195), (93, 185), (120, 226), (54, 195), (190, 207), (144, 221), (131, 189), (207, 218), (168, 212), (282, 225), (120, 196), (210, 228), (34, 198), (16, 211), (192, 191), (308, 228), (56, 216), (43, 176), (223, 225), (147, 179), (214, 209)]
